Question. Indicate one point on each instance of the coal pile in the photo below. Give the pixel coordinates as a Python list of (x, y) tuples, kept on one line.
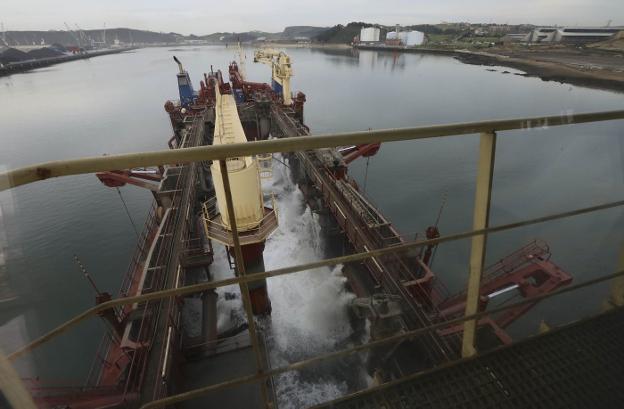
[(9, 55), (44, 53)]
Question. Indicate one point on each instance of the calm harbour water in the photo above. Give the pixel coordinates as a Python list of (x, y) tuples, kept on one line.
[(114, 104)]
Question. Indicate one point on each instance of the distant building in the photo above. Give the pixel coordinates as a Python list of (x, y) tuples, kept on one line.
[(579, 35), (571, 35), (407, 38), (369, 34), (515, 38), (499, 28), (541, 35)]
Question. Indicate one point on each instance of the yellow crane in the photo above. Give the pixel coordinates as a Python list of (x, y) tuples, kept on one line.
[(281, 70), (254, 221)]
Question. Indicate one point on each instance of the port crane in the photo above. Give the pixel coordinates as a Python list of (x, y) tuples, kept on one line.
[(281, 71), (84, 36), (74, 35)]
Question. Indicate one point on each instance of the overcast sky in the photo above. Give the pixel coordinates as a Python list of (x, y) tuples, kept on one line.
[(208, 16)]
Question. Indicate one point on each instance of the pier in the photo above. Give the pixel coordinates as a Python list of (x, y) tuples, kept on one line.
[(23, 66)]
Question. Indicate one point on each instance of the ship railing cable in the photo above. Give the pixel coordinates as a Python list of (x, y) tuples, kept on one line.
[(159, 327), (140, 250), (151, 310), (139, 358), (183, 205)]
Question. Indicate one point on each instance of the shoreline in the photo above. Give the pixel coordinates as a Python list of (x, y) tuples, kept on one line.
[(546, 64), (546, 70), (25, 66)]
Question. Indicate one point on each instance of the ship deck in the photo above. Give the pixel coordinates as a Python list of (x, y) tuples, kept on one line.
[(577, 366), (221, 367)]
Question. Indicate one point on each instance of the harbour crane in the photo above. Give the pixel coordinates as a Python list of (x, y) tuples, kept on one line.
[(281, 71), (74, 36), (83, 35)]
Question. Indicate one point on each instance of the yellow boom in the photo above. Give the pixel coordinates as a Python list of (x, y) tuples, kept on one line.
[(281, 70)]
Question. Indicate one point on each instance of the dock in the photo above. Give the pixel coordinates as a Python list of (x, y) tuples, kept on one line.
[(23, 66)]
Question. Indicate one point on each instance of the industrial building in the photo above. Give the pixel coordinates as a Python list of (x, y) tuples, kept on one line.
[(542, 34), (406, 38), (585, 34), (369, 34), (570, 35)]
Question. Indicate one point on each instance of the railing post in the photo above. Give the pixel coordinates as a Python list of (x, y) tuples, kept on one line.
[(617, 287), (481, 215), (244, 288), (12, 386)]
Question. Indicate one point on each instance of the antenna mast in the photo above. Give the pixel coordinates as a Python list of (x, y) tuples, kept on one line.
[(86, 275)]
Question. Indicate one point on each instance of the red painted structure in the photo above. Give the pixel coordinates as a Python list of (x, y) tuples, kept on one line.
[(528, 272), (412, 278), (140, 178), (119, 370), (353, 152)]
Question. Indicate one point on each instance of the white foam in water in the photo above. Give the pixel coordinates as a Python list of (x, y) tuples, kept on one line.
[(310, 307), (293, 393)]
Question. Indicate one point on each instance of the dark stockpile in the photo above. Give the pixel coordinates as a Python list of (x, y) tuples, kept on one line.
[(44, 53), (9, 55)]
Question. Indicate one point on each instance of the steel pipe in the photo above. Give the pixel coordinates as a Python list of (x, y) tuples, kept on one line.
[(46, 170), (480, 220)]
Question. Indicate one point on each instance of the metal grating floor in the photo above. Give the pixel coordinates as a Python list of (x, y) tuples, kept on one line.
[(577, 366)]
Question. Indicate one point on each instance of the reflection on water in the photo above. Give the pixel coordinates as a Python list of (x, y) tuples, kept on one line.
[(114, 104), (373, 60)]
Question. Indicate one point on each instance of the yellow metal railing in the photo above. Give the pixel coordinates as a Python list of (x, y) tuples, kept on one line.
[(478, 235), (33, 173), (218, 231)]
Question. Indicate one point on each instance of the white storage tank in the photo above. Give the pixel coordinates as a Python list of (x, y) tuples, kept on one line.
[(413, 38), (369, 34), (392, 35), (408, 38)]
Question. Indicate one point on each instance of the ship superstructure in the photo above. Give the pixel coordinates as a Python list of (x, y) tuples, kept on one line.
[(146, 355)]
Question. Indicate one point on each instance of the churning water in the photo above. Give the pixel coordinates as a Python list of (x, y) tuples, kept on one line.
[(309, 308)]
